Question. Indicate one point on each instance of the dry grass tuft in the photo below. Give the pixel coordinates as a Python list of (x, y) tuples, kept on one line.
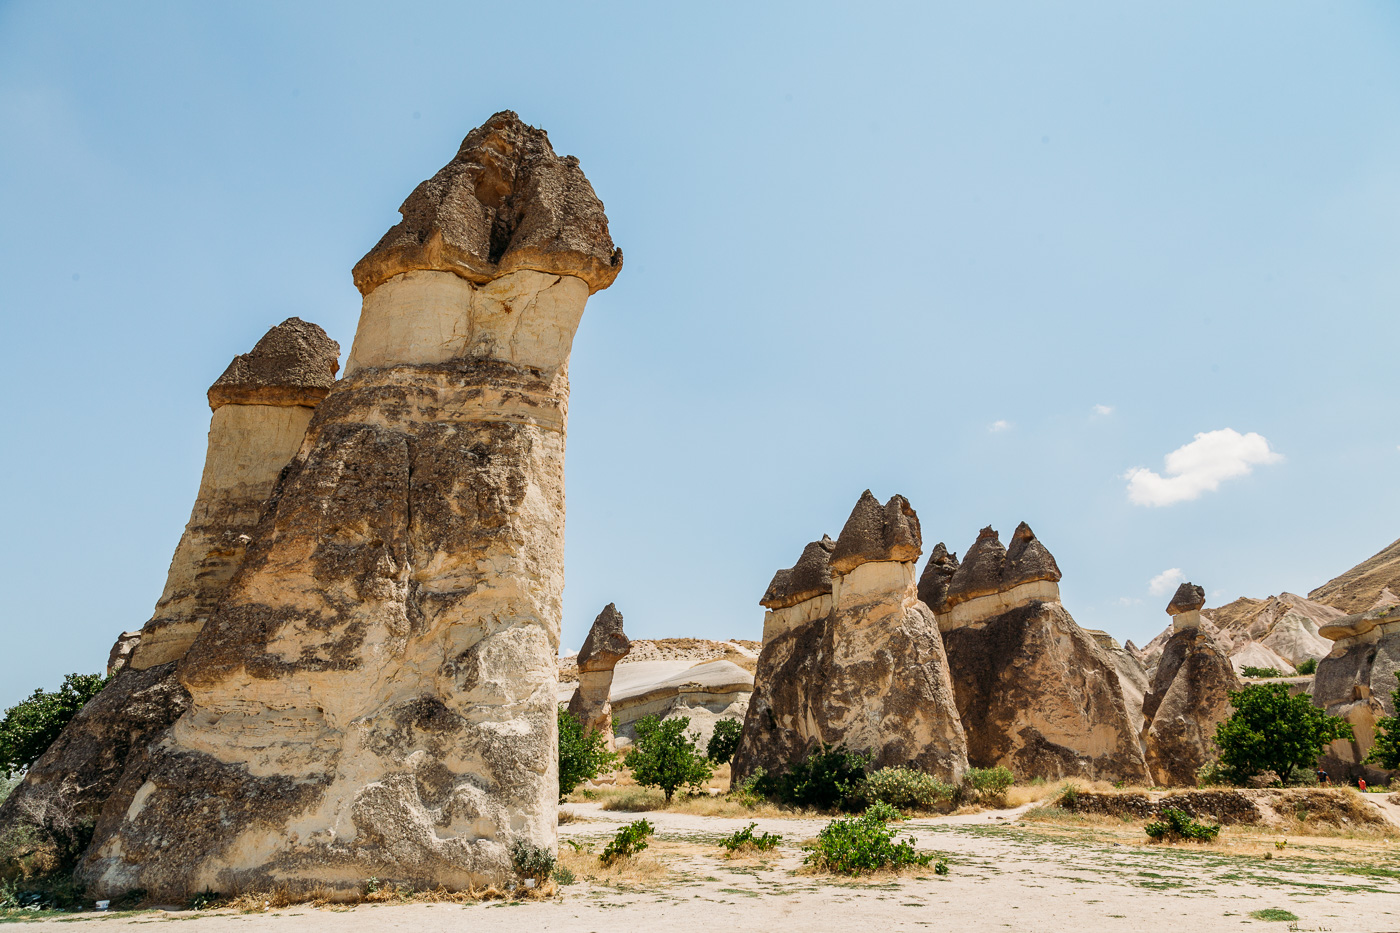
[(635, 870)]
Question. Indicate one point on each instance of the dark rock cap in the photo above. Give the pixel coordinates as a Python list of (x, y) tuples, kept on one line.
[(293, 364), (1188, 596), (809, 578), (606, 643), (1027, 560), (506, 202), (979, 574), (877, 532), (938, 573)]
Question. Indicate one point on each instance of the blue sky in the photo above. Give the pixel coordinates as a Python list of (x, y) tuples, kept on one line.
[(995, 257)]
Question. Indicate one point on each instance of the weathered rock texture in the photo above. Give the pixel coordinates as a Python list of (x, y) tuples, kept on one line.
[(1189, 696), (857, 662), (605, 645), (1356, 680), (262, 405), (1132, 677), (1035, 692), (1372, 584), (375, 695), (1281, 631)]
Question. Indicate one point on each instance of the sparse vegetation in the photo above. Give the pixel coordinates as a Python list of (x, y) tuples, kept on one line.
[(1249, 671), (1386, 751), (582, 757), (1175, 826), (746, 840), (907, 789), (829, 778), (879, 810), (629, 840), (30, 726), (1308, 666), (532, 861), (1272, 731), (989, 785), (1273, 913), (859, 845), (724, 742), (665, 756)]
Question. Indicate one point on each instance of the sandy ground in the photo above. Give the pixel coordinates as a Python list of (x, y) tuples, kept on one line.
[(1005, 874)]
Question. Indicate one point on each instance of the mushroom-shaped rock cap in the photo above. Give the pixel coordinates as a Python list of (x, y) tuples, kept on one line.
[(1027, 560), (938, 573), (877, 532), (1188, 596), (606, 643), (293, 364), (809, 578), (979, 574), (506, 202)]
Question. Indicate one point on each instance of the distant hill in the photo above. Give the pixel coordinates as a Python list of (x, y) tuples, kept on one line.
[(1370, 584)]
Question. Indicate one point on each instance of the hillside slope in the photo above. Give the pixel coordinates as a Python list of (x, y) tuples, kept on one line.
[(1370, 584)]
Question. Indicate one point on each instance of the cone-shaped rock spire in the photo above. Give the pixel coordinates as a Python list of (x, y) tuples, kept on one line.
[(809, 578), (606, 643), (1027, 560), (877, 532), (938, 573), (293, 364), (979, 574)]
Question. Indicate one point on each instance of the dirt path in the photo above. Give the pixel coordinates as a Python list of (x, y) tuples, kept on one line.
[(1004, 876)]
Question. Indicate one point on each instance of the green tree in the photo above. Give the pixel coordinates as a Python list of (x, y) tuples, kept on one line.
[(665, 756), (31, 725), (725, 741), (1386, 751), (582, 756), (1272, 731)]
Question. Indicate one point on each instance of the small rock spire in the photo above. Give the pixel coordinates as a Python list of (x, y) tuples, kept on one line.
[(876, 532)]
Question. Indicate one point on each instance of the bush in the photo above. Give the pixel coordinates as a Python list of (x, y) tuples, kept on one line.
[(853, 846), (532, 861), (906, 789), (629, 840), (1261, 671), (989, 784), (1211, 774), (829, 778), (879, 810), (664, 756), (30, 726), (564, 875), (725, 741), (1386, 751), (582, 757), (1307, 667), (1069, 797), (748, 792), (1272, 731), (1174, 825), (746, 838)]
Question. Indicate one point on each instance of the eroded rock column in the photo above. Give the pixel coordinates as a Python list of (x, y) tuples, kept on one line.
[(605, 645), (375, 694)]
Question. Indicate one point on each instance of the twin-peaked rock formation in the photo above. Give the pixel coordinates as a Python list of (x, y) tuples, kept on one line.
[(605, 645), (374, 695), (852, 657), (1189, 695), (1034, 691), (261, 407)]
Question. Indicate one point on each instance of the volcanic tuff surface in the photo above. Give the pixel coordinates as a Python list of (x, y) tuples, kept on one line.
[(375, 695), (1373, 583), (605, 645), (861, 666)]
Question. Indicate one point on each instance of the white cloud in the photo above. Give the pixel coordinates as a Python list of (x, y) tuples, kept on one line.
[(1199, 467), (999, 425), (1103, 409), (1166, 581), (1129, 601)]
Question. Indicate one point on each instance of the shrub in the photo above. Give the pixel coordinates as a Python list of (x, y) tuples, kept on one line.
[(30, 726), (1272, 731), (724, 741), (879, 810), (989, 784), (1261, 671), (1173, 825), (1386, 751), (629, 840), (664, 756), (830, 777), (1307, 667), (748, 793), (853, 846), (582, 756), (564, 875), (1069, 797), (746, 838), (1211, 774), (532, 861), (906, 789)]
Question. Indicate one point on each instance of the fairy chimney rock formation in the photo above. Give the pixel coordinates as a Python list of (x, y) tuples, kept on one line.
[(1355, 681), (262, 405), (1035, 692), (1185, 607), (938, 573), (993, 579), (800, 594), (375, 694), (1189, 695), (852, 657), (605, 645)]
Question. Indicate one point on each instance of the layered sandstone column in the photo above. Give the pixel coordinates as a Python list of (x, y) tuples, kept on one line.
[(605, 645), (262, 405), (1190, 695), (375, 695)]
